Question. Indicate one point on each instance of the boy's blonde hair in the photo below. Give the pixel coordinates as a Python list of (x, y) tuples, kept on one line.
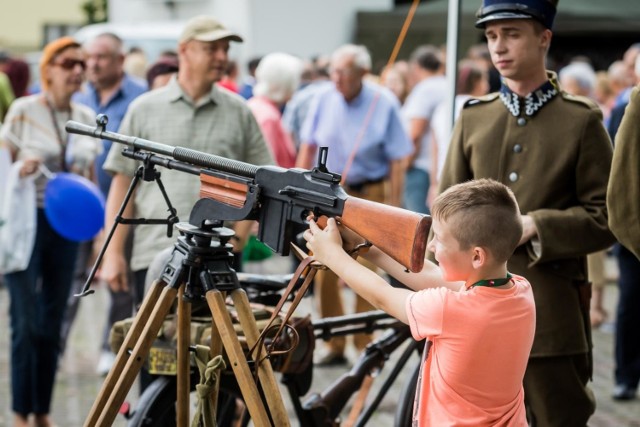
[(481, 213)]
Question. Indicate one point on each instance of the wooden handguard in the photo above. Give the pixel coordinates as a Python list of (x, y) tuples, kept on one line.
[(223, 190), (399, 233)]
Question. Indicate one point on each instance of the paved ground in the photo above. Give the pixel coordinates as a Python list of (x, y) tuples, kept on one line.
[(77, 383)]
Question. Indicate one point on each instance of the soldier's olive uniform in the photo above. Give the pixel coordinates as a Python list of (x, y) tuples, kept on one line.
[(623, 197), (552, 150)]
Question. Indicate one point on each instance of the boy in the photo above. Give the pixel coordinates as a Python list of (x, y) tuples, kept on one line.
[(482, 329)]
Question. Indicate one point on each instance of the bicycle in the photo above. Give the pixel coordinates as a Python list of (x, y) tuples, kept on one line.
[(156, 406)]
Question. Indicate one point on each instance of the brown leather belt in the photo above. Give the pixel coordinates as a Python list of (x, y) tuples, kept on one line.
[(358, 188)]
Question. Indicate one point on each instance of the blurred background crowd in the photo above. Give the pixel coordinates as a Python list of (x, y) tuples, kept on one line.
[(290, 96)]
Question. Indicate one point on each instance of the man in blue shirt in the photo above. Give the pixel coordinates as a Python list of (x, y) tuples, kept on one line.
[(360, 123), (109, 90), (297, 108)]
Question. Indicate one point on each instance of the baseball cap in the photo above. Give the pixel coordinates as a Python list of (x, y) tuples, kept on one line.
[(206, 29)]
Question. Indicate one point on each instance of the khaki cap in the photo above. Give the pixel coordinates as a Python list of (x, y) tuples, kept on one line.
[(206, 29)]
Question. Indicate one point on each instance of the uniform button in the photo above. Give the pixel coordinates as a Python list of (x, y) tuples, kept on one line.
[(513, 177), (517, 148), (522, 121)]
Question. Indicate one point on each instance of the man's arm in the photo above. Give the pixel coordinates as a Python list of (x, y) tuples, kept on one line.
[(417, 128), (114, 265), (306, 156), (397, 170), (257, 151)]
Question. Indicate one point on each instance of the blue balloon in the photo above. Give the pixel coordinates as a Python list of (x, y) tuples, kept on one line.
[(74, 206)]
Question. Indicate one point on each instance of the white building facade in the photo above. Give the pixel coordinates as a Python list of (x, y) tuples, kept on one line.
[(300, 27)]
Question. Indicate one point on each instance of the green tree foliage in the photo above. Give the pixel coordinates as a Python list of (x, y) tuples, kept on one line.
[(96, 10)]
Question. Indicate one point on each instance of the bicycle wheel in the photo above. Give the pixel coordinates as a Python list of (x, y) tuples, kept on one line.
[(157, 405), (404, 413)]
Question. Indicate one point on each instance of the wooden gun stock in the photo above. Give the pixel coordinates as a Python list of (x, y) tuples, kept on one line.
[(399, 233)]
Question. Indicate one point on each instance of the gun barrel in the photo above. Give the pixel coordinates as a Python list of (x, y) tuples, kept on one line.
[(187, 155)]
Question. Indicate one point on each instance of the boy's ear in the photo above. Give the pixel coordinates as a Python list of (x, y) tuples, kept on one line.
[(479, 257)]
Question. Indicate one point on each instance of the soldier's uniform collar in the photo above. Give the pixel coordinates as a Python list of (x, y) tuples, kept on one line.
[(533, 102)]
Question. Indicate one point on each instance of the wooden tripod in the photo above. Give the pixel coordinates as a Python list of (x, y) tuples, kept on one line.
[(199, 267)]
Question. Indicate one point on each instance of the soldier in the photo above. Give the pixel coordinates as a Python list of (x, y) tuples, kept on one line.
[(552, 150), (624, 209)]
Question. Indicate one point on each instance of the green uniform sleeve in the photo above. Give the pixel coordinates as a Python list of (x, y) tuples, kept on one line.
[(582, 228), (623, 197)]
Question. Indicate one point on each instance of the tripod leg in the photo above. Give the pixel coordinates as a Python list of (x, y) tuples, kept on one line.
[(134, 333), (184, 367), (215, 349), (265, 372), (136, 359), (237, 358)]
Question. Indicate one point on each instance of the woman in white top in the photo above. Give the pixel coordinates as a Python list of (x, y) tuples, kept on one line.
[(34, 133)]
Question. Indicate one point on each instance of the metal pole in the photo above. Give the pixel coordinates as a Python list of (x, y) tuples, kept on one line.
[(453, 25)]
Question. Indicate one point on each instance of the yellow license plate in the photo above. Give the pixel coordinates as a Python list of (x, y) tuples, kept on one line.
[(162, 361)]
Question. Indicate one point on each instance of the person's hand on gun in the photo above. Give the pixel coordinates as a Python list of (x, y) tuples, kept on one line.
[(352, 242), (323, 243)]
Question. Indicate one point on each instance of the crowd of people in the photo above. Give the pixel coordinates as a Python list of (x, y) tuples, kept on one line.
[(546, 136)]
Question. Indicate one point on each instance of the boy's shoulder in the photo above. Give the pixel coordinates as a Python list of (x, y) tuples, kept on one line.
[(521, 280)]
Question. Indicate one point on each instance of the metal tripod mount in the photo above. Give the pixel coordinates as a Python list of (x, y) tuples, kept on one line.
[(199, 269)]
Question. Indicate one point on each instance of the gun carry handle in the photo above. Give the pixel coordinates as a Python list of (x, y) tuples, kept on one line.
[(399, 233)]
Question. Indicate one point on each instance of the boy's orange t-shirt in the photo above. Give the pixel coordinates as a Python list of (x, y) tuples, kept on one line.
[(481, 338)]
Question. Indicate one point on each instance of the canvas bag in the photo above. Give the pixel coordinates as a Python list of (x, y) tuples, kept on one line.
[(17, 216)]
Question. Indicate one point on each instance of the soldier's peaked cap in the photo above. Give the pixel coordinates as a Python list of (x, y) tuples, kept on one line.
[(544, 11)]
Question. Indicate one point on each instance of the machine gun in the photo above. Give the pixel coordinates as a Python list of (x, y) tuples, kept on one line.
[(278, 198)]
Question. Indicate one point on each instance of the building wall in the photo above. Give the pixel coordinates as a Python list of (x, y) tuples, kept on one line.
[(301, 27), (22, 22), (317, 27)]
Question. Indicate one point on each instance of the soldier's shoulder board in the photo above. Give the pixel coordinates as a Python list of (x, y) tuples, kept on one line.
[(581, 100), (481, 100)]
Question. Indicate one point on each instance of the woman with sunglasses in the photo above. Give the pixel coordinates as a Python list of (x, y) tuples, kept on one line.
[(35, 135)]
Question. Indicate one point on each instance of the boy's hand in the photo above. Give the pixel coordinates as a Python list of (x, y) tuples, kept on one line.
[(350, 239), (323, 242)]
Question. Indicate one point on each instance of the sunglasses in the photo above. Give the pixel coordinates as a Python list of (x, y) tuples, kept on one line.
[(70, 64)]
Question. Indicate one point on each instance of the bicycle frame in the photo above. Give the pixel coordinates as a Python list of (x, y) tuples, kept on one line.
[(322, 409)]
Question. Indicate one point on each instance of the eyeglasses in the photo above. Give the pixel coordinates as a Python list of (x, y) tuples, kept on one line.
[(70, 64)]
